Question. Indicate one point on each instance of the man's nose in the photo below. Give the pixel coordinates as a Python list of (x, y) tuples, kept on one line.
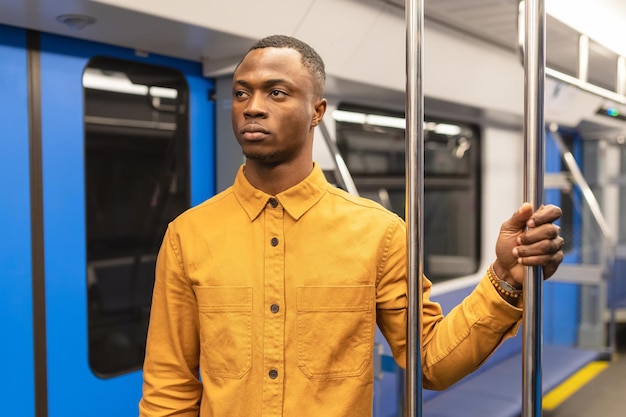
[(255, 106)]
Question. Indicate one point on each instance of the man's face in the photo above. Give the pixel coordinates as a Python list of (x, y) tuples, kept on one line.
[(274, 106)]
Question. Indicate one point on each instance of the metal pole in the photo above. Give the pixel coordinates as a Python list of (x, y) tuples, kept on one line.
[(534, 70), (342, 173), (414, 201)]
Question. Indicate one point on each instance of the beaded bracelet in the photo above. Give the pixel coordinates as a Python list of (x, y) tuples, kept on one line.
[(498, 284)]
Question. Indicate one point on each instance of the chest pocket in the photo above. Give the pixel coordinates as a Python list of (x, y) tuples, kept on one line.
[(225, 330), (335, 330)]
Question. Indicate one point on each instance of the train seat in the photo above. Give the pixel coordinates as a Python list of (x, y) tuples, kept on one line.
[(495, 389)]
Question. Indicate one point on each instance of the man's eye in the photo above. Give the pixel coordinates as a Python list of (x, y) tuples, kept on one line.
[(239, 93), (277, 93)]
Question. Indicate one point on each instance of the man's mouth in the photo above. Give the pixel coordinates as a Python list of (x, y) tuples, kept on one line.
[(253, 132)]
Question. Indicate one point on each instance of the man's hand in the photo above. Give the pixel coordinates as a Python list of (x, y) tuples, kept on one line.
[(529, 239)]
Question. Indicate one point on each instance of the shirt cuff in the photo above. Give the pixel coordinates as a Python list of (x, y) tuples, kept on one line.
[(499, 314)]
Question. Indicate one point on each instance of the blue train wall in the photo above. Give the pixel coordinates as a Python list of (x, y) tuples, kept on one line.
[(72, 388)]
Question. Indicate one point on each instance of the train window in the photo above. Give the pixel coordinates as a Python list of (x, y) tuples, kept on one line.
[(137, 180), (372, 144)]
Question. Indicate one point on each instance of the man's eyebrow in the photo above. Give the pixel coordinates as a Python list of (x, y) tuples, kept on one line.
[(266, 83)]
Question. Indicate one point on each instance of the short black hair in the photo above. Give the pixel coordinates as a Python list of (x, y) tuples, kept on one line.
[(311, 60)]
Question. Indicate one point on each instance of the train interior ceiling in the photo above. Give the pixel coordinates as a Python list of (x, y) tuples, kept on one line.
[(137, 148), (197, 33)]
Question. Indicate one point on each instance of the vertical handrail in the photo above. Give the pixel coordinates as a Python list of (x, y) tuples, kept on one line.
[(534, 132), (342, 174), (414, 16)]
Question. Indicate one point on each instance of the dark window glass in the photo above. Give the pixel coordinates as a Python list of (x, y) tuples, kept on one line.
[(137, 180), (373, 146)]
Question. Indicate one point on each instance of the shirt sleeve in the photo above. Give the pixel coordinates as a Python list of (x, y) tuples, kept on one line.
[(171, 386), (452, 346)]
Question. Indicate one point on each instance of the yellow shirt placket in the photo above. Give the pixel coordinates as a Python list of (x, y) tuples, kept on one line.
[(274, 309)]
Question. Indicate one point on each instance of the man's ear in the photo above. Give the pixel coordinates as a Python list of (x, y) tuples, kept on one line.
[(319, 109)]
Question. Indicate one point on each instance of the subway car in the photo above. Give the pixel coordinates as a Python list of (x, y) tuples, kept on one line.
[(116, 119)]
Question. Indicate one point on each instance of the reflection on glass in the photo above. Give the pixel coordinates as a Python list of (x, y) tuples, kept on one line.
[(373, 145), (137, 180)]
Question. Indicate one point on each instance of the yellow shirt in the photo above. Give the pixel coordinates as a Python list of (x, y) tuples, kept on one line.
[(267, 306)]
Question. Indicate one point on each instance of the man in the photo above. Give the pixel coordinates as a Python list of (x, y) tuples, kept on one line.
[(267, 295)]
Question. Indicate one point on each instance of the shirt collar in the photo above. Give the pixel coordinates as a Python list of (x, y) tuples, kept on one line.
[(296, 200)]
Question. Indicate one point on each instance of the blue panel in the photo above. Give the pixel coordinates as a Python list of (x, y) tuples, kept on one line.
[(202, 119), (578, 198), (617, 285), (386, 388), (561, 313), (16, 349), (552, 156), (552, 165), (73, 389)]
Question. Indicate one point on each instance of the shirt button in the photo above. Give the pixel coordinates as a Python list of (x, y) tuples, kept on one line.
[(274, 308), (273, 202), (273, 373), (274, 241)]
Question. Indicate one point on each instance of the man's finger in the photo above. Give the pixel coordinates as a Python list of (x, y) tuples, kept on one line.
[(545, 231), (545, 214), (518, 220), (541, 247)]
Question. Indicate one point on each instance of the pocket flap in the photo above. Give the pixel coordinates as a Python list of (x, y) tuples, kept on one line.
[(224, 298), (346, 298)]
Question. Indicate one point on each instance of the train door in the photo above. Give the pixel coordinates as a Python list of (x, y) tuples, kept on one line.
[(127, 144), (16, 307)]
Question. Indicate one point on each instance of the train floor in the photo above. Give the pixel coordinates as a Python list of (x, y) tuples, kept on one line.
[(605, 394)]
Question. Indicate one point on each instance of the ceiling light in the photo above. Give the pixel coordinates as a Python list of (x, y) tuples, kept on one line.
[(76, 21)]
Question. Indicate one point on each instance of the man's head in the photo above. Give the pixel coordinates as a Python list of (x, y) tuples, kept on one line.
[(310, 58), (277, 101)]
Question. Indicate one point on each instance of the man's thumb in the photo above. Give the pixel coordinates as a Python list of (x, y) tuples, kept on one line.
[(518, 220)]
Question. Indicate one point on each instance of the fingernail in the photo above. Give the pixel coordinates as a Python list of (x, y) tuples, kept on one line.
[(515, 252)]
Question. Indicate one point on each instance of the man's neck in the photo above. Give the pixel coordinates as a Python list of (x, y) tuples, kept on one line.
[(274, 179)]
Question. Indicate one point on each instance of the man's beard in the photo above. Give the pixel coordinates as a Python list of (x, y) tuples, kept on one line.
[(262, 157)]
